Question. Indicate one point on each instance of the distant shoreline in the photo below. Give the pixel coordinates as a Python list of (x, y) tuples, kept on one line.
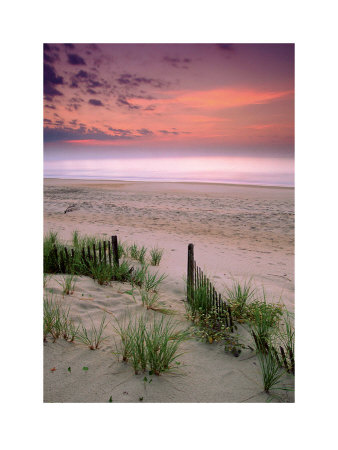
[(96, 180)]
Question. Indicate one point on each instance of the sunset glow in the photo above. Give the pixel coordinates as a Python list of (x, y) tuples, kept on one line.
[(215, 112)]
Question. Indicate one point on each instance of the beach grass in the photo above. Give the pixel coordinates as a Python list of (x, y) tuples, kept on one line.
[(67, 283), (270, 369), (199, 303), (238, 295), (156, 256), (153, 280), (149, 346), (56, 321), (93, 337)]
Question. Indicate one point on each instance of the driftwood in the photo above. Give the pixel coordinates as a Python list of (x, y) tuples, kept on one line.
[(70, 208)]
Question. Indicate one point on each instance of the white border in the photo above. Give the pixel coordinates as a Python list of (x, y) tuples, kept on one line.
[(309, 422)]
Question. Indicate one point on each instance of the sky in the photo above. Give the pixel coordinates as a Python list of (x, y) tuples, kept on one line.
[(194, 112)]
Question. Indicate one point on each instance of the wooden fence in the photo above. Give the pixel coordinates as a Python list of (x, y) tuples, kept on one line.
[(105, 252), (196, 281)]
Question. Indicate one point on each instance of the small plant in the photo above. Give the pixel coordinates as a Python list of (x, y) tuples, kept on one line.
[(151, 281), (123, 272), (213, 327), (142, 254), (137, 253), (286, 339), (138, 276), (56, 321), (67, 284), (150, 347), (151, 301), (122, 249), (156, 256), (92, 337), (238, 296), (199, 303), (51, 246), (271, 371), (51, 318), (133, 251), (162, 343), (102, 273)]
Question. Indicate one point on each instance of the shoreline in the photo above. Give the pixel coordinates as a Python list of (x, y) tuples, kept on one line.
[(98, 181)]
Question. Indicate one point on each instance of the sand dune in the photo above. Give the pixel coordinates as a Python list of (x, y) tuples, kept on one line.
[(238, 231)]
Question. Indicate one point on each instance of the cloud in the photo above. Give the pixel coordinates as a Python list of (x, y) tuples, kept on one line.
[(95, 102), (121, 101), (75, 59), (178, 63), (50, 79), (169, 132), (74, 104), (82, 74), (120, 131), (64, 133), (130, 80), (145, 132), (49, 75)]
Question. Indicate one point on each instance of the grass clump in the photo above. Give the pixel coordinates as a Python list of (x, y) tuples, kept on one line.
[(199, 303), (238, 296), (247, 308), (56, 321), (102, 273), (94, 336), (152, 281), (152, 346), (211, 324), (156, 256), (138, 275), (137, 253), (68, 284), (271, 370), (51, 245), (151, 301)]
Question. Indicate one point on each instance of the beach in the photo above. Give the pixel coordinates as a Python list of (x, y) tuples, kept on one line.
[(238, 231)]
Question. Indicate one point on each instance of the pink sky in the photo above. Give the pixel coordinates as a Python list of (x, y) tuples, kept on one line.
[(168, 100)]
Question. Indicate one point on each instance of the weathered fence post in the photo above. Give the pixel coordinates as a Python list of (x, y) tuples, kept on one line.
[(190, 273), (115, 250)]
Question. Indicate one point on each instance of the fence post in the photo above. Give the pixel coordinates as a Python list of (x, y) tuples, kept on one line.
[(115, 250), (190, 274)]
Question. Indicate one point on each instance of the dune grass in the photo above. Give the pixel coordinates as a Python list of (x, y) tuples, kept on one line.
[(149, 346), (56, 321), (94, 336), (250, 307), (153, 280), (67, 283), (238, 295), (102, 273), (156, 256), (270, 369), (151, 301), (199, 303)]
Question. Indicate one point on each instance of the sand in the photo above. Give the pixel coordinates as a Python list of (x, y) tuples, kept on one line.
[(238, 232)]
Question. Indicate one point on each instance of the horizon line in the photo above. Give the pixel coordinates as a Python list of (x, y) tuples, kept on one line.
[(258, 185)]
